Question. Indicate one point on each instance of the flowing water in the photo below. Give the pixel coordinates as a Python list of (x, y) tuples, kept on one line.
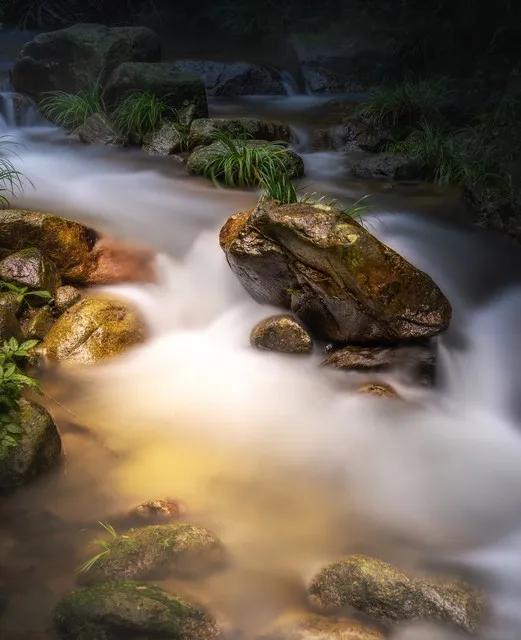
[(280, 457)]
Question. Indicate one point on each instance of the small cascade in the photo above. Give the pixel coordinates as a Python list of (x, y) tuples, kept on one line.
[(289, 83), (17, 110)]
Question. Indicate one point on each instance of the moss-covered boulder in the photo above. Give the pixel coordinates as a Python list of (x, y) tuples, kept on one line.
[(157, 550), (32, 269), (36, 323), (387, 594), (204, 130), (38, 448), (337, 278), (76, 58), (281, 333), (200, 157), (93, 329), (117, 610), (306, 626), (163, 80), (68, 244), (65, 297)]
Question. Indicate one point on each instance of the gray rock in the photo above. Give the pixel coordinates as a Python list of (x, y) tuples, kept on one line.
[(387, 166), (281, 333), (78, 57), (114, 610), (165, 142), (234, 78), (310, 626), (65, 297), (38, 449), (163, 79), (204, 130), (386, 594), (98, 129), (30, 268)]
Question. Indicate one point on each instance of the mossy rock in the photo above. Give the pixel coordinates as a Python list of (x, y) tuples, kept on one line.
[(386, 594), (68, 244), (37, 323), (309, 626), (164, 142), (204, 130), (38, 449), (93, 329), (157, 550), (9, 324), (118, 610), (340, 281), (200, 158), (281, 333), (32, 269)]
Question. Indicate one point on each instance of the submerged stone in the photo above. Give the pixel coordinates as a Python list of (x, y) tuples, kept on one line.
[(388, 595), (157, 550), (38, 448), (337, 278), (281, 333), (93, 329), (116, 610)]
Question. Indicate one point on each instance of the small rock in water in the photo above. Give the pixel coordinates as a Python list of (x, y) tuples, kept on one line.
[(378, 389), (388, 595), (165, 142), (307, 626), (98, 129), (30, 268), (114, 610), (9, 324), (182, 549), (281, 333), (65, 297), (157, 510)]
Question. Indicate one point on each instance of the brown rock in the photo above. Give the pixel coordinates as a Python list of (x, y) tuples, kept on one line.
[(158, 510), (114, 261), (65, 297), (32, 269), (37, 323), (379, 390), (314, 627), (281, 333)]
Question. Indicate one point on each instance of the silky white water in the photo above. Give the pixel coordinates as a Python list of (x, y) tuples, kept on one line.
[(279, 456)]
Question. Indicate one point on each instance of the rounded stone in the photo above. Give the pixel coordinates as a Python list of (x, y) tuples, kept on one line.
[(158, 510), (378, 390), (281, 333), (65, 297)]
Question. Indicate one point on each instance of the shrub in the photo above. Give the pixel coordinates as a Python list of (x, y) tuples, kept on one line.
[(12, 382), (71, 110), (405, 103), (141, 113)]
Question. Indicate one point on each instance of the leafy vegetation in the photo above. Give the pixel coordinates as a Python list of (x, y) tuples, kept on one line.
[(141, 113), (405, 103), (12, 382), (23, 294), (105, 545), (276, 185), (71, 110), (10, 177)]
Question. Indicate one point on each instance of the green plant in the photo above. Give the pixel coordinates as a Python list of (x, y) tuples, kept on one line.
[(405, 103), (10, 177), (105, 544), (71, 110), (357, 209), (237, 162), (12, 382), (141, 113), (276, 185), (23, 293)]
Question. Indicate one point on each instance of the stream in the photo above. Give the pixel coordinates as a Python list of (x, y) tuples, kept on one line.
[(281, 458)]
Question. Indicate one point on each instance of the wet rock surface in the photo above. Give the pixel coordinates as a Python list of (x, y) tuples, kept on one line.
[(204, 130), (30, 268), (386, 594), (37, 323), (281, 333), (378, 390), (114, 610), (315, 627), (38, 448), (411, 362), (182, 549), (65, 297), (338, 279), (92, 330), (75, 58), (98, 129)]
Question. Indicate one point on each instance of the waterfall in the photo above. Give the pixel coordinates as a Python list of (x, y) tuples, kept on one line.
[(17, 110), (289, 83)]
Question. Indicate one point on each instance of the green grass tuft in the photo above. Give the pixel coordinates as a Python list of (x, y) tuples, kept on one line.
[(140, 114), (71, 110), (10, 177)]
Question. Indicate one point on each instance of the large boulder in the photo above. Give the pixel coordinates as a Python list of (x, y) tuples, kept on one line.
[(93, 329), (78, 57), (299, 626), (32, 269), (38, 448), (234, 78), (337, 278), (204, 130), (386, 594), (68, 244), (157, 550), (115, 610), (386, 166), (281, 333), (163, 79), (200, 157)]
